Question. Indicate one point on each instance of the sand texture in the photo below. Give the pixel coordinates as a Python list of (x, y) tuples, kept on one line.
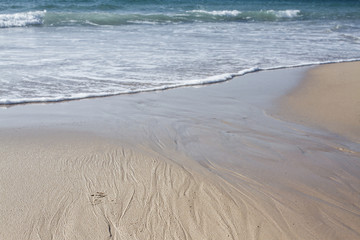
[(190, 163), (329, 97), (73, 188), (81, 187)]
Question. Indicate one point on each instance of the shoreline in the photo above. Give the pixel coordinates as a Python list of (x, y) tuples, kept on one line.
[(328, 98), (200, 84), (188, 163)]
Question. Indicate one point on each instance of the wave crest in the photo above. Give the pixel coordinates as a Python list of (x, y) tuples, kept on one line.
[(285, 13), (22, 19), (25, 19), (232, 13), (261, 15)]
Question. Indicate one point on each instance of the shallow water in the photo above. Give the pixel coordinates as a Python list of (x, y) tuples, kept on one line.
[(57, 50)]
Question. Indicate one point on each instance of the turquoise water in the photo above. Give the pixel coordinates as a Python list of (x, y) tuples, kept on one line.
[(57, 50)]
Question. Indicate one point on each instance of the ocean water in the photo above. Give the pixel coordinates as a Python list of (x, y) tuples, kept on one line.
[(53, 50)]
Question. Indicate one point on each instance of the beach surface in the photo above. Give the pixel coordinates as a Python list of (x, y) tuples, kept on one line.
[(214, 162), (329, 98)]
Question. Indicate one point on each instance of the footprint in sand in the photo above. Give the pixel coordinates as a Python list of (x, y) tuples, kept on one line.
[(96, 198)]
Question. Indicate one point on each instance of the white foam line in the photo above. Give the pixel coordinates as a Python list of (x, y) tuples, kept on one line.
[(206, 81), (285, 13), (218, 13)]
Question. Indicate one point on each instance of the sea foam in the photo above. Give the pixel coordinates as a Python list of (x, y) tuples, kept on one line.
[(195, 82), (256, 15), (22, 19), (25, 19), (285, 13), (218, 13)]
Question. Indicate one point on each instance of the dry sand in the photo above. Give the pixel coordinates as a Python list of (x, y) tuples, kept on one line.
[(191, 163), (329, 98)]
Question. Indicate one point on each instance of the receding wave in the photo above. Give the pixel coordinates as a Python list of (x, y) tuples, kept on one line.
[(195, 82), (102, 18)]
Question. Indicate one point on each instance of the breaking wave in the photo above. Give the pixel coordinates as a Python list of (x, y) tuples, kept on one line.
[(22, 19), (36, 18)]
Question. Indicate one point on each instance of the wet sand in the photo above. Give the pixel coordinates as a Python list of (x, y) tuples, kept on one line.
[(329, 98), (212, 162)]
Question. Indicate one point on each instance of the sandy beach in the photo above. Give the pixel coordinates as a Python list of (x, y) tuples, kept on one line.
[(263, 156), (329, 98)]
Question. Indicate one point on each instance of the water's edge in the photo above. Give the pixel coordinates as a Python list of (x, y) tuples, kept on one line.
[(207, 81)]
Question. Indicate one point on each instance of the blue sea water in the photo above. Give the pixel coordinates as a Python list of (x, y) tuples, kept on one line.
[(53, 50)]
